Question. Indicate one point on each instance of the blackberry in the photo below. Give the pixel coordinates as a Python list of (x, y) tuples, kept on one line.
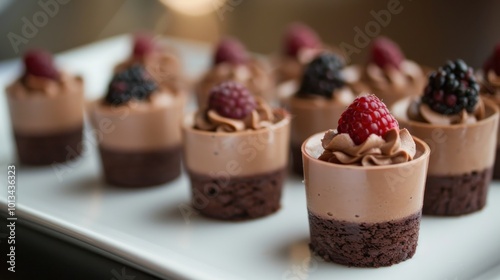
[(132, 83), (231, 100), (452, 88), (322, 76)]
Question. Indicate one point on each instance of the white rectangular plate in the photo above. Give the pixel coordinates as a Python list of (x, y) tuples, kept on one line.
[(151, 228)]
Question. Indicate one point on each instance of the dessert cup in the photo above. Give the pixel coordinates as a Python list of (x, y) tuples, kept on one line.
[(47, 121), (365, 216), (237, 175), (461, 162), (491, 90), (253, 74), (140, 142), (312, 115), (389, 84)]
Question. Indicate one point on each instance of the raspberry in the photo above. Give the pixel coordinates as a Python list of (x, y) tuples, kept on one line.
[(132, 83), (40, 63), (493, 62), (143, 44), (230, 50), (366, 115), (322, 76), (231, 100), (386, 52), (451, 89), (299, 36)]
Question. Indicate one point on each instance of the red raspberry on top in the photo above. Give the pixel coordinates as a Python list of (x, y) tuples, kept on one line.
[(230, 50), (231, 100), (299, 36), (386, 52), (41, 64), (366, 115), (493, 62), (143, 44)]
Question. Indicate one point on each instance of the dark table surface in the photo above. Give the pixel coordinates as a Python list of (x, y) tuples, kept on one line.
[(41, 255)]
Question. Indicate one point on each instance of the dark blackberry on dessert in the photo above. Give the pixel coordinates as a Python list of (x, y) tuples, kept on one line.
[(462, 130), (132, 83), (144, 147), (322, 76), (452, 89), (231, 100), (230, 50)]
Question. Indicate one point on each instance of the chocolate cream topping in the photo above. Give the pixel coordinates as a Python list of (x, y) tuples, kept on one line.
[(163, 65), (423, 113), (254, 75), (30, 85), (491, 86), (409, 77), (397, 147), (261, 117)]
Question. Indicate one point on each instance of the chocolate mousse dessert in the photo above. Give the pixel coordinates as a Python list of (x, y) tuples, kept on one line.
[(389, 75), (365, 187), (236, 154), (317, 105), (300, 45), (490, 89), (160, 61), (139, 129), (232, 62), (461, 129), (46, 110)]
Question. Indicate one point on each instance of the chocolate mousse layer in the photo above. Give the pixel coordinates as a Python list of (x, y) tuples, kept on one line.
[(456, 194), (140, 168), (49, 148), (312, 115), (238, 197), (364, 244)]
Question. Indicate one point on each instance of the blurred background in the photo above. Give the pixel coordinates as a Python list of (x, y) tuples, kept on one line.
[(428, 31)]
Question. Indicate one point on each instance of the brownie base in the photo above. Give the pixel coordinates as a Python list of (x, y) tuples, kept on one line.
[(364, 244), (456, 195), (237, 197), (50, 148), (297, 166), (496, 167), (140, 169)]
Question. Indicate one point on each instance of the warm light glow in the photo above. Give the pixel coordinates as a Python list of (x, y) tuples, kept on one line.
[(194, 7)]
